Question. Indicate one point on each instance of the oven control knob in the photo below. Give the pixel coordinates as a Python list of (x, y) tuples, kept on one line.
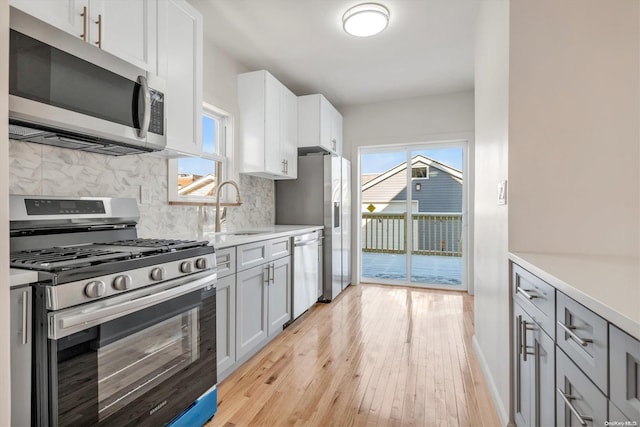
[(95, 289), (186, 267), (157, 274), (201, 263), (122, 282)]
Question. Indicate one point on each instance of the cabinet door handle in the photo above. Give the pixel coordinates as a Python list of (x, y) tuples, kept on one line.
[(99, 22), (567, 401), (524, 340), (525, 293), (25, 317), (334, 144), (85, 18), (268, 279), (568, 329), (273, 272), (525, 347), (519, 344)]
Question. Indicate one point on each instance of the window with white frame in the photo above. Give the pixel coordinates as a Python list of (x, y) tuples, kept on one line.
[(420, 171), (195, 179)]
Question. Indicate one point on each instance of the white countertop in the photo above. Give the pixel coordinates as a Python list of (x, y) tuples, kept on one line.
[(227, 239), (609, 286), (19, 277)]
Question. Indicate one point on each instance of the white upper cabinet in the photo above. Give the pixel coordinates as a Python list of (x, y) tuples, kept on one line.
[(124, 28), (180, 64), (268, 127), (319, 125)]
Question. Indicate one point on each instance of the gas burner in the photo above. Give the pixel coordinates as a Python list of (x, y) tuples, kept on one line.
[(167, 244), (63, 257)]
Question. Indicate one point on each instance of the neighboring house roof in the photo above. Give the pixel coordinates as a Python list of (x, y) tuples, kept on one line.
[(366, 177), (441, 191), (200, 186)]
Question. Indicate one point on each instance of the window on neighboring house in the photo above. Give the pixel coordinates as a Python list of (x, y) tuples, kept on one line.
[(196, 178), (420, 172)]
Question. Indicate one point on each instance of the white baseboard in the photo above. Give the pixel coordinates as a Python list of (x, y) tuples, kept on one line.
[(503, 413)]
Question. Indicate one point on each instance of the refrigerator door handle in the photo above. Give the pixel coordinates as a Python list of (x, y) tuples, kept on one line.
[(336, 214)]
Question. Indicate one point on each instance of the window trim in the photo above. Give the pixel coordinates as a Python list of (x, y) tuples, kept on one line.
[(426, 167), (226, 159)]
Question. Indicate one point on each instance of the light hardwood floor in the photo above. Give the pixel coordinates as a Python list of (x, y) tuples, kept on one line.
[(376, 355)]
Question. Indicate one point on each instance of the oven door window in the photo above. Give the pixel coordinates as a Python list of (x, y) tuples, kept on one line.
[(133, 365)]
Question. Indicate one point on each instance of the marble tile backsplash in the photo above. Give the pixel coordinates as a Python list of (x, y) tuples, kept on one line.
[(36, 169)]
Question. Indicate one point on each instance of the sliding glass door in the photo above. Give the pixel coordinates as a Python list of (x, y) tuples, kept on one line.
[(413, 220)]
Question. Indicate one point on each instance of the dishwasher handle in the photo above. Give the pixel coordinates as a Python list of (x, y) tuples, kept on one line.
[(306, 243)]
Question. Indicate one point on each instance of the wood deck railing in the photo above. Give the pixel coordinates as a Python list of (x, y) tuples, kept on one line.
[(433, 234)]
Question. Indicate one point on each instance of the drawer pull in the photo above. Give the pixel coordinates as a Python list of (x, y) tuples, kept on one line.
[(568, 329), (567, 400), (227, 263), (525, 293)]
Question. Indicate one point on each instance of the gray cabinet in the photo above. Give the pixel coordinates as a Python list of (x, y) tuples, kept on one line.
[(583, 336), (534, 355), (20, 353), (251, 309), (625, 373), (225, 262), (579, 402), (226, 322), (253, 298), (597, 365), (279, 294), (263, 292)]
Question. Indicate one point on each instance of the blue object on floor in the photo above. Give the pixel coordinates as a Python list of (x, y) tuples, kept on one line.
[(200, 412)]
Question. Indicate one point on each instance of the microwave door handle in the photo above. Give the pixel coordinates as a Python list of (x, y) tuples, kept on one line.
[(146, 112)]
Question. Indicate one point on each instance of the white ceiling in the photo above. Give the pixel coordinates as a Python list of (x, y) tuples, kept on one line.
[(427, 48)]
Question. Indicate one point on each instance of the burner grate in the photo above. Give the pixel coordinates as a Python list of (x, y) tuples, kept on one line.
[(58, 257), (168, 244)]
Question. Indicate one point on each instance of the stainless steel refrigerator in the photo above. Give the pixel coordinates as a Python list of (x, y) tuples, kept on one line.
[(322, 196)]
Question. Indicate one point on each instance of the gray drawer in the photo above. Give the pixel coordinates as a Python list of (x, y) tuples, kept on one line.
[(577, 396), (624, 356), (252, 254), (279, 248), (583, 336), (225, 261), (537, 297)]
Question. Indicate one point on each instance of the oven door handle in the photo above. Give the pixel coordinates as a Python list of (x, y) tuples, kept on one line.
[(76, 319)]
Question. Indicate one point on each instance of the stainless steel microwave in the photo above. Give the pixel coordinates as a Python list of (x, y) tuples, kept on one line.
[(68, 93)]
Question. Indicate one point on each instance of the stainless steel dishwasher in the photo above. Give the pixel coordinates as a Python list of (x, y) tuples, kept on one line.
[(307, 271)]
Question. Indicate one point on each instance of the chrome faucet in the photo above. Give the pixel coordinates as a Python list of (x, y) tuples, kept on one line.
[(218, 193)]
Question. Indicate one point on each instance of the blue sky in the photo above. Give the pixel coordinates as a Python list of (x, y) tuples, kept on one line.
[(381, 162), (196, 165)]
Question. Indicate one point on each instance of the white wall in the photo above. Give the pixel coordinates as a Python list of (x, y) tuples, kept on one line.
[(574, 133), (407, 121), (415, 120), (491, 340), (5, 389)]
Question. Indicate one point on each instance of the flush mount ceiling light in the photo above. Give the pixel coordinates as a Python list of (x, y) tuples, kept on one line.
[(366, 19)]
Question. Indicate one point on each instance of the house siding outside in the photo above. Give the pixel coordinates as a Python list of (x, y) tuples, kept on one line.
[(440, 193)]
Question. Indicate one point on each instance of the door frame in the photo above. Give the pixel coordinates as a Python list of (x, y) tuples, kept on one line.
[(467, 220)]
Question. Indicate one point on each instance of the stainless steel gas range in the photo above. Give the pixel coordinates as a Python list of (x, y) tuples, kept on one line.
[(123, 328)]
